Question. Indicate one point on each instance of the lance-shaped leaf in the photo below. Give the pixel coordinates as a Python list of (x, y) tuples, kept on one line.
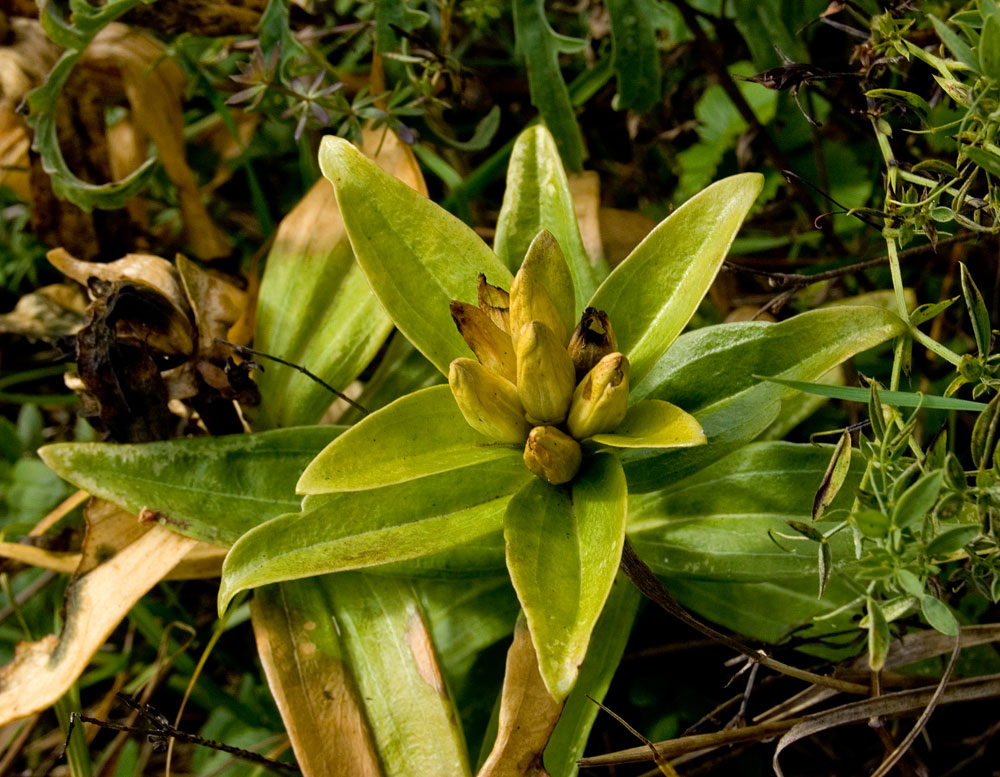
[(315, 306), (977, 310), (834, 477), (357, 529), (540, 46), (538, 197), (209, 488), (715, 523), (710, 372), (652, 295), (421, 434), (416, 256), (654, 423), (563, 548), (410, 713), (607, 644), (917, 500), (308, 674)]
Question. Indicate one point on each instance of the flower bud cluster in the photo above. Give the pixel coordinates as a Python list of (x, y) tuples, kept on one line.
[(531, 381)]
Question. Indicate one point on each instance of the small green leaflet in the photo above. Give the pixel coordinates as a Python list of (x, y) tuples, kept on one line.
[(833, 478), (895, 398)]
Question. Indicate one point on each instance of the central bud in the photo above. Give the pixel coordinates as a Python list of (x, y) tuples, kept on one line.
[(533, 381)]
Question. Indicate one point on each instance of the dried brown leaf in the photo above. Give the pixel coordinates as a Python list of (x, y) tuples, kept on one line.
[(14, 163), (585, 189), (47, 313), (528, 714), (621, 231), (313, 689)]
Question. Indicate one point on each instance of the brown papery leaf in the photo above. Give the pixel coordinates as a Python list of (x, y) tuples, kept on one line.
[(47, 313), (118, 575), (14, 163), (585, 189), (217, 302), (154, 85), (528, 714), (312, 688)]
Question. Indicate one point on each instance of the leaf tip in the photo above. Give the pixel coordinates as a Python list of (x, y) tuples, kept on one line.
[(334, 154)]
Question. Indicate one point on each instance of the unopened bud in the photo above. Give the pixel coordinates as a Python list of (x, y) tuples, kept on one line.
[(591, 341), (495, 303), (491, 345), (545, 375), (530, 301), (600, 401), (489, 403), (552, 455)]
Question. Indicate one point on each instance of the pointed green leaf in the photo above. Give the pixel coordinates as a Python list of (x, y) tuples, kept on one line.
[(210, 488), (951, 540), (715, 523), (384, 635), (938, 615), (871, 523), (710, 372), (653, 423), (878, 636), (652, 295), (895, 398), (917, 500), (420, 434), (984, 434), (315, 309), (989, 49), (358, 529), (958, 48), (977, 307), (607, 644), (416, 256), (636, 56), (540, 46), (833, 478), (537, 197), (563, 548)]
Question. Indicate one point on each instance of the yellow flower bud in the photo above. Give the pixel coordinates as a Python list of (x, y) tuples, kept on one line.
[(488, 342), (591, 341), (489, 403), (600, 401), (530, 299), (552, 455), (494, 302), (545, 374)]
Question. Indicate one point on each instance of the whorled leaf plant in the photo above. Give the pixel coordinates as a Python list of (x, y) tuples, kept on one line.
[(529, 430), (461, 481)]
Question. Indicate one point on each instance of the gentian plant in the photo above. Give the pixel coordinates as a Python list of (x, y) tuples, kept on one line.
[(575, 411)]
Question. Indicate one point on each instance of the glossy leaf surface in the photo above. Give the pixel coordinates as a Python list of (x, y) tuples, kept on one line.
[(423, 433), (538, 197), (652, 295), (715, 523), (315, 306), (563, 547), (654, 423), (711, 373), (209, 488), (357, 529), (416, 256)]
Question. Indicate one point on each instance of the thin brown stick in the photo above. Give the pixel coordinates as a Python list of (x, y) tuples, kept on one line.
[(642, 577)]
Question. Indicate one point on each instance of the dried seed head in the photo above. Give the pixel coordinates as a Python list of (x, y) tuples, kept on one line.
[(545, 374), (491, 345), (488, 402), (552, 455), (591, 341), (600, 401)]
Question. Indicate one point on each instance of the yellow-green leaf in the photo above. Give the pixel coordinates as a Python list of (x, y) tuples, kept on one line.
[(654, 423)]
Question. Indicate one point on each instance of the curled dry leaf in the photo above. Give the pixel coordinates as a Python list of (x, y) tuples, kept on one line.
[(47, 313), (154, 86), (112, 579), (528, 713)]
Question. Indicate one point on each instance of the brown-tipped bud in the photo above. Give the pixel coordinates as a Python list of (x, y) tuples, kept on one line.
[(600, 401), (489, 403), (591, 341), (491, 345), (545, 374), (552, 455), (530, 301), (495, 303)]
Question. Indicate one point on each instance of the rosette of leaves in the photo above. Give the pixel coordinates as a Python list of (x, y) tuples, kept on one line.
[(429, 496)]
